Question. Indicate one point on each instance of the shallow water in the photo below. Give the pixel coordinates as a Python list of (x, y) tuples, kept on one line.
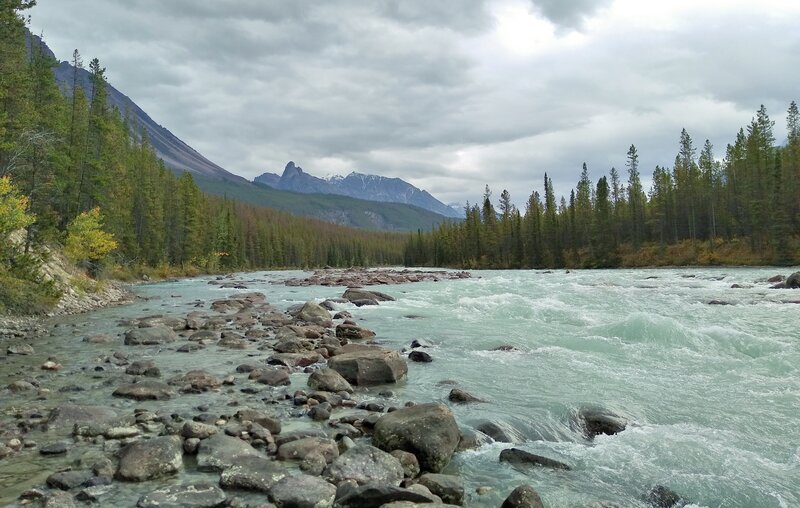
[(711, 391)]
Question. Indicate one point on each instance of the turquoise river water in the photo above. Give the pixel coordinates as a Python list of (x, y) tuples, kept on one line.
[(712, 392)]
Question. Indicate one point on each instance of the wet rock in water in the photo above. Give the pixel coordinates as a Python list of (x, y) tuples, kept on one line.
[(429, 431), (190, 347), (59, 448), (378, 495), (198, 430), (507, 348), (352, 294), (303, 491), (93, 494), (20, 349), (273, 425), (370, 367), (793, 281), (420, 356), (300, 448), (448, 487), (313, 464), (21, 386), (776, 278), (196, 381), (365, 464), (343, 315), (274, 376), (420, 343), (171, 322), (471, 439), (663, 497), (59, 500), (150, 458), (312, 312), (519, 457), (352, 331), (150, 336), (295, 359), (500, 432), (459, 395), (252, 472), (145, 390), (67, 480), (364, 301), (220, 452), (595, 421), (66, 416), (320, 412), (328, 380), (291, 345), (199, 495), (143, 368), (719, 302), (51, 365), (121, 432), (523, 496), (232, 343)]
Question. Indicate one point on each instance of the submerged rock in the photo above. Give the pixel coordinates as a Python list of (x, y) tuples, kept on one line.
[(663, 497), (500, 432), (521, 457), (420, 356), (429, 431), (154, 335), (458, 395), (200, 495), (595, 421), (145, 390)]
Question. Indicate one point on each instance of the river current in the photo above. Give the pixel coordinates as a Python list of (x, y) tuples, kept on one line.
[(711, 391)]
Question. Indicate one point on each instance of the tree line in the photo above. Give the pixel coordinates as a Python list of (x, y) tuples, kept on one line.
[(68, 153), (742, 209)]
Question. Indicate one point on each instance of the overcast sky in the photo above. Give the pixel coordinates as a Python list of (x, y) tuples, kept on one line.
[(449, 95)]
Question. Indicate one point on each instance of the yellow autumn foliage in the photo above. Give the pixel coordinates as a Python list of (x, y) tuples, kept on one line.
[(13, 209), (86, 240)]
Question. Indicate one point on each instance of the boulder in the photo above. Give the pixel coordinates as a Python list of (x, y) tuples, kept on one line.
[(153, 335), (448, 487), (143, 368), (198, 430), (274, 376), (365, 464), (144, 390), (150, 458), (523, 496), (66, 416), (408, 461), (519, 457), (458, 395), (199, 495), (19, 349), (302, 491), (429, 431), (328, 380), (370, 367), (220, 452), (352, 294), (352, 331), (196, 381), (67, 480), (295, 359), (315, 313), (663, 497), (595, 421), (273, 425), (252, 472), (793, 281), (500, 432), (377, 494), (420, 356), (299, 449)]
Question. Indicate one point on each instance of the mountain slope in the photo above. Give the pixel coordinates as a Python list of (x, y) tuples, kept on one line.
[(213, 179), (356, 185)]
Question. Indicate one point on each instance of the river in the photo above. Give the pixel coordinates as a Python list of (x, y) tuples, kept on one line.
[(711, 392)]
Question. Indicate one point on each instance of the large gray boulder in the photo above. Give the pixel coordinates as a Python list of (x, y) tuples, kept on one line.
[(328, 380), (370, 367), (65, 416), (153, 335), (200, 495), (303, 491), (376, 495), (150, 458), (252, 472), (197, 380), (315, 313), (448, 487), (220, 452), (429, 431), (365, 464), (354, 294)]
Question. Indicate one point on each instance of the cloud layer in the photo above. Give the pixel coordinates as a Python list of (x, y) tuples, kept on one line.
[(449, 95)]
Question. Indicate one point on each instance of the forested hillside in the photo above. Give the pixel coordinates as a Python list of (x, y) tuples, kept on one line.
[(742, 209), (63, 154)]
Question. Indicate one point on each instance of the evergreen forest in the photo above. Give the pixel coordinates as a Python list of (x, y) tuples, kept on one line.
[(66, 156), (742, 209)]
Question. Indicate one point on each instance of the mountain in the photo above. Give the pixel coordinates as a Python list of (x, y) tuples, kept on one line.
[(356, 185), (213, 179)]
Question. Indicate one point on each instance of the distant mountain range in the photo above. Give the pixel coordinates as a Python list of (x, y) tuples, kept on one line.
[(356, 185), (180, 157)]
